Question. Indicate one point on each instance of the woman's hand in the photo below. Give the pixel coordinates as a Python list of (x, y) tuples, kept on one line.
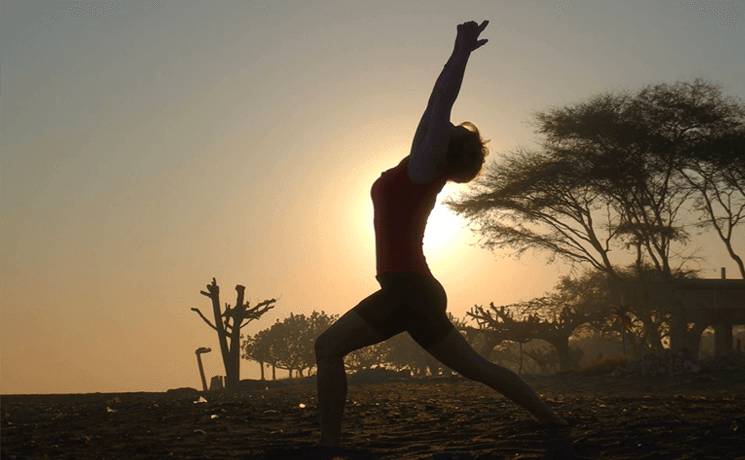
[(468, 36)]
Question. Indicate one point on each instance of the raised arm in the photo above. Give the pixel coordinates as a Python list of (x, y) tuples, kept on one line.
[(429, 148)]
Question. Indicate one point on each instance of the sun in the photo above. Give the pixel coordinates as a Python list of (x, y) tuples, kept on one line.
[(442, 229)]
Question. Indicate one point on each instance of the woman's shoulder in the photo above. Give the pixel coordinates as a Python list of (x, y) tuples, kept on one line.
[(420, 179)]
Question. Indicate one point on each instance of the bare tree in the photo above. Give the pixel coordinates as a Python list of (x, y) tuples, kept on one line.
[(555, 330), (228, 324), (545, 357), (554, 318)]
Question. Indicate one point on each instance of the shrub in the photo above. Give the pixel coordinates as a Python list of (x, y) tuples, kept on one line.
[(681, 363), (605, 365)]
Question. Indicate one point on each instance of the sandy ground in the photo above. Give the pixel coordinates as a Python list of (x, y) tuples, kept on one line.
[(435, 418)]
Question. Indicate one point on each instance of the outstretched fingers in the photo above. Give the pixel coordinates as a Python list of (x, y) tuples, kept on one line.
[(482, 42), (469, 32)]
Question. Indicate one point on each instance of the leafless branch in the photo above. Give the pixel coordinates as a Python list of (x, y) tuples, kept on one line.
[(205, 319)]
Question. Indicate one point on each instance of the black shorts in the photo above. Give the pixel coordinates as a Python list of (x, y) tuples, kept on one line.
[(408, 302)]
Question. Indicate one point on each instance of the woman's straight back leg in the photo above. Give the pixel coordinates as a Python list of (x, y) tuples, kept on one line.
[(454, 352)]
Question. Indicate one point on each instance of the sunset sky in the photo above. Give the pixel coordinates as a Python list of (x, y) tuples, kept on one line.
[(148, 146)]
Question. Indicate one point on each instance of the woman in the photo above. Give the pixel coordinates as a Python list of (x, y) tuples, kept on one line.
[(411, 299)]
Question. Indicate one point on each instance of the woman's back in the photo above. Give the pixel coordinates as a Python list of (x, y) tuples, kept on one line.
[(401, 212)]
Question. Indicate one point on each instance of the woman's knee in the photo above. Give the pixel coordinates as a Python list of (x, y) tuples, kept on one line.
[(322, 347), (328, 346)]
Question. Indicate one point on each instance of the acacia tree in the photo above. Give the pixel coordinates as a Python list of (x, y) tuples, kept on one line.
[(606, 179), (609, 317), (229, 323), (716, 174)]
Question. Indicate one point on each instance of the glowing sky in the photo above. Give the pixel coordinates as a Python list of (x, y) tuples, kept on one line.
[(148, 146)]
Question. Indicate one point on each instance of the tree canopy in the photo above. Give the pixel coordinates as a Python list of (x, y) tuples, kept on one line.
[(619, 174), (288, 344), (619, 183)]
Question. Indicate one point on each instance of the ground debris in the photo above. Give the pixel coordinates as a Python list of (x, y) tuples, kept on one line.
[(436, 418)]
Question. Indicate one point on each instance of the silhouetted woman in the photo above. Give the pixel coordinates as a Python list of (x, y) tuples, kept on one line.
[(410, 298)]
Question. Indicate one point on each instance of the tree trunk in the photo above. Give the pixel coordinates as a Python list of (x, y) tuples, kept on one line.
[(234, 373), (520, 370), (214, 295), (736, 258), (562, 348), (201, 372), (682, 338)]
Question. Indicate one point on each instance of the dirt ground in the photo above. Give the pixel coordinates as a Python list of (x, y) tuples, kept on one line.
[(434, 418)]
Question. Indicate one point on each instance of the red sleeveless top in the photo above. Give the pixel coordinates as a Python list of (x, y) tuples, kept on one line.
[(401, 211)]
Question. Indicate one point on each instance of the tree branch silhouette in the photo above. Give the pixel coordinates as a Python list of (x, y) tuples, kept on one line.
[(229, 323)]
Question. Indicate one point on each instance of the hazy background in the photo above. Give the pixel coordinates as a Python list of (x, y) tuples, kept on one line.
[(148, 146)]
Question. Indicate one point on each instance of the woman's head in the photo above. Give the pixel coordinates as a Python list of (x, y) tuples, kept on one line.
[(466, 153)]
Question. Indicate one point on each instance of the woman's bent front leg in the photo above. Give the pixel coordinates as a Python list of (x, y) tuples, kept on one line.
[(332, 395), (349, 333)]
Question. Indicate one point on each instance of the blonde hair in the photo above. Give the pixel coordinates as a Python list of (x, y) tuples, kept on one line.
[(466, 154)]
